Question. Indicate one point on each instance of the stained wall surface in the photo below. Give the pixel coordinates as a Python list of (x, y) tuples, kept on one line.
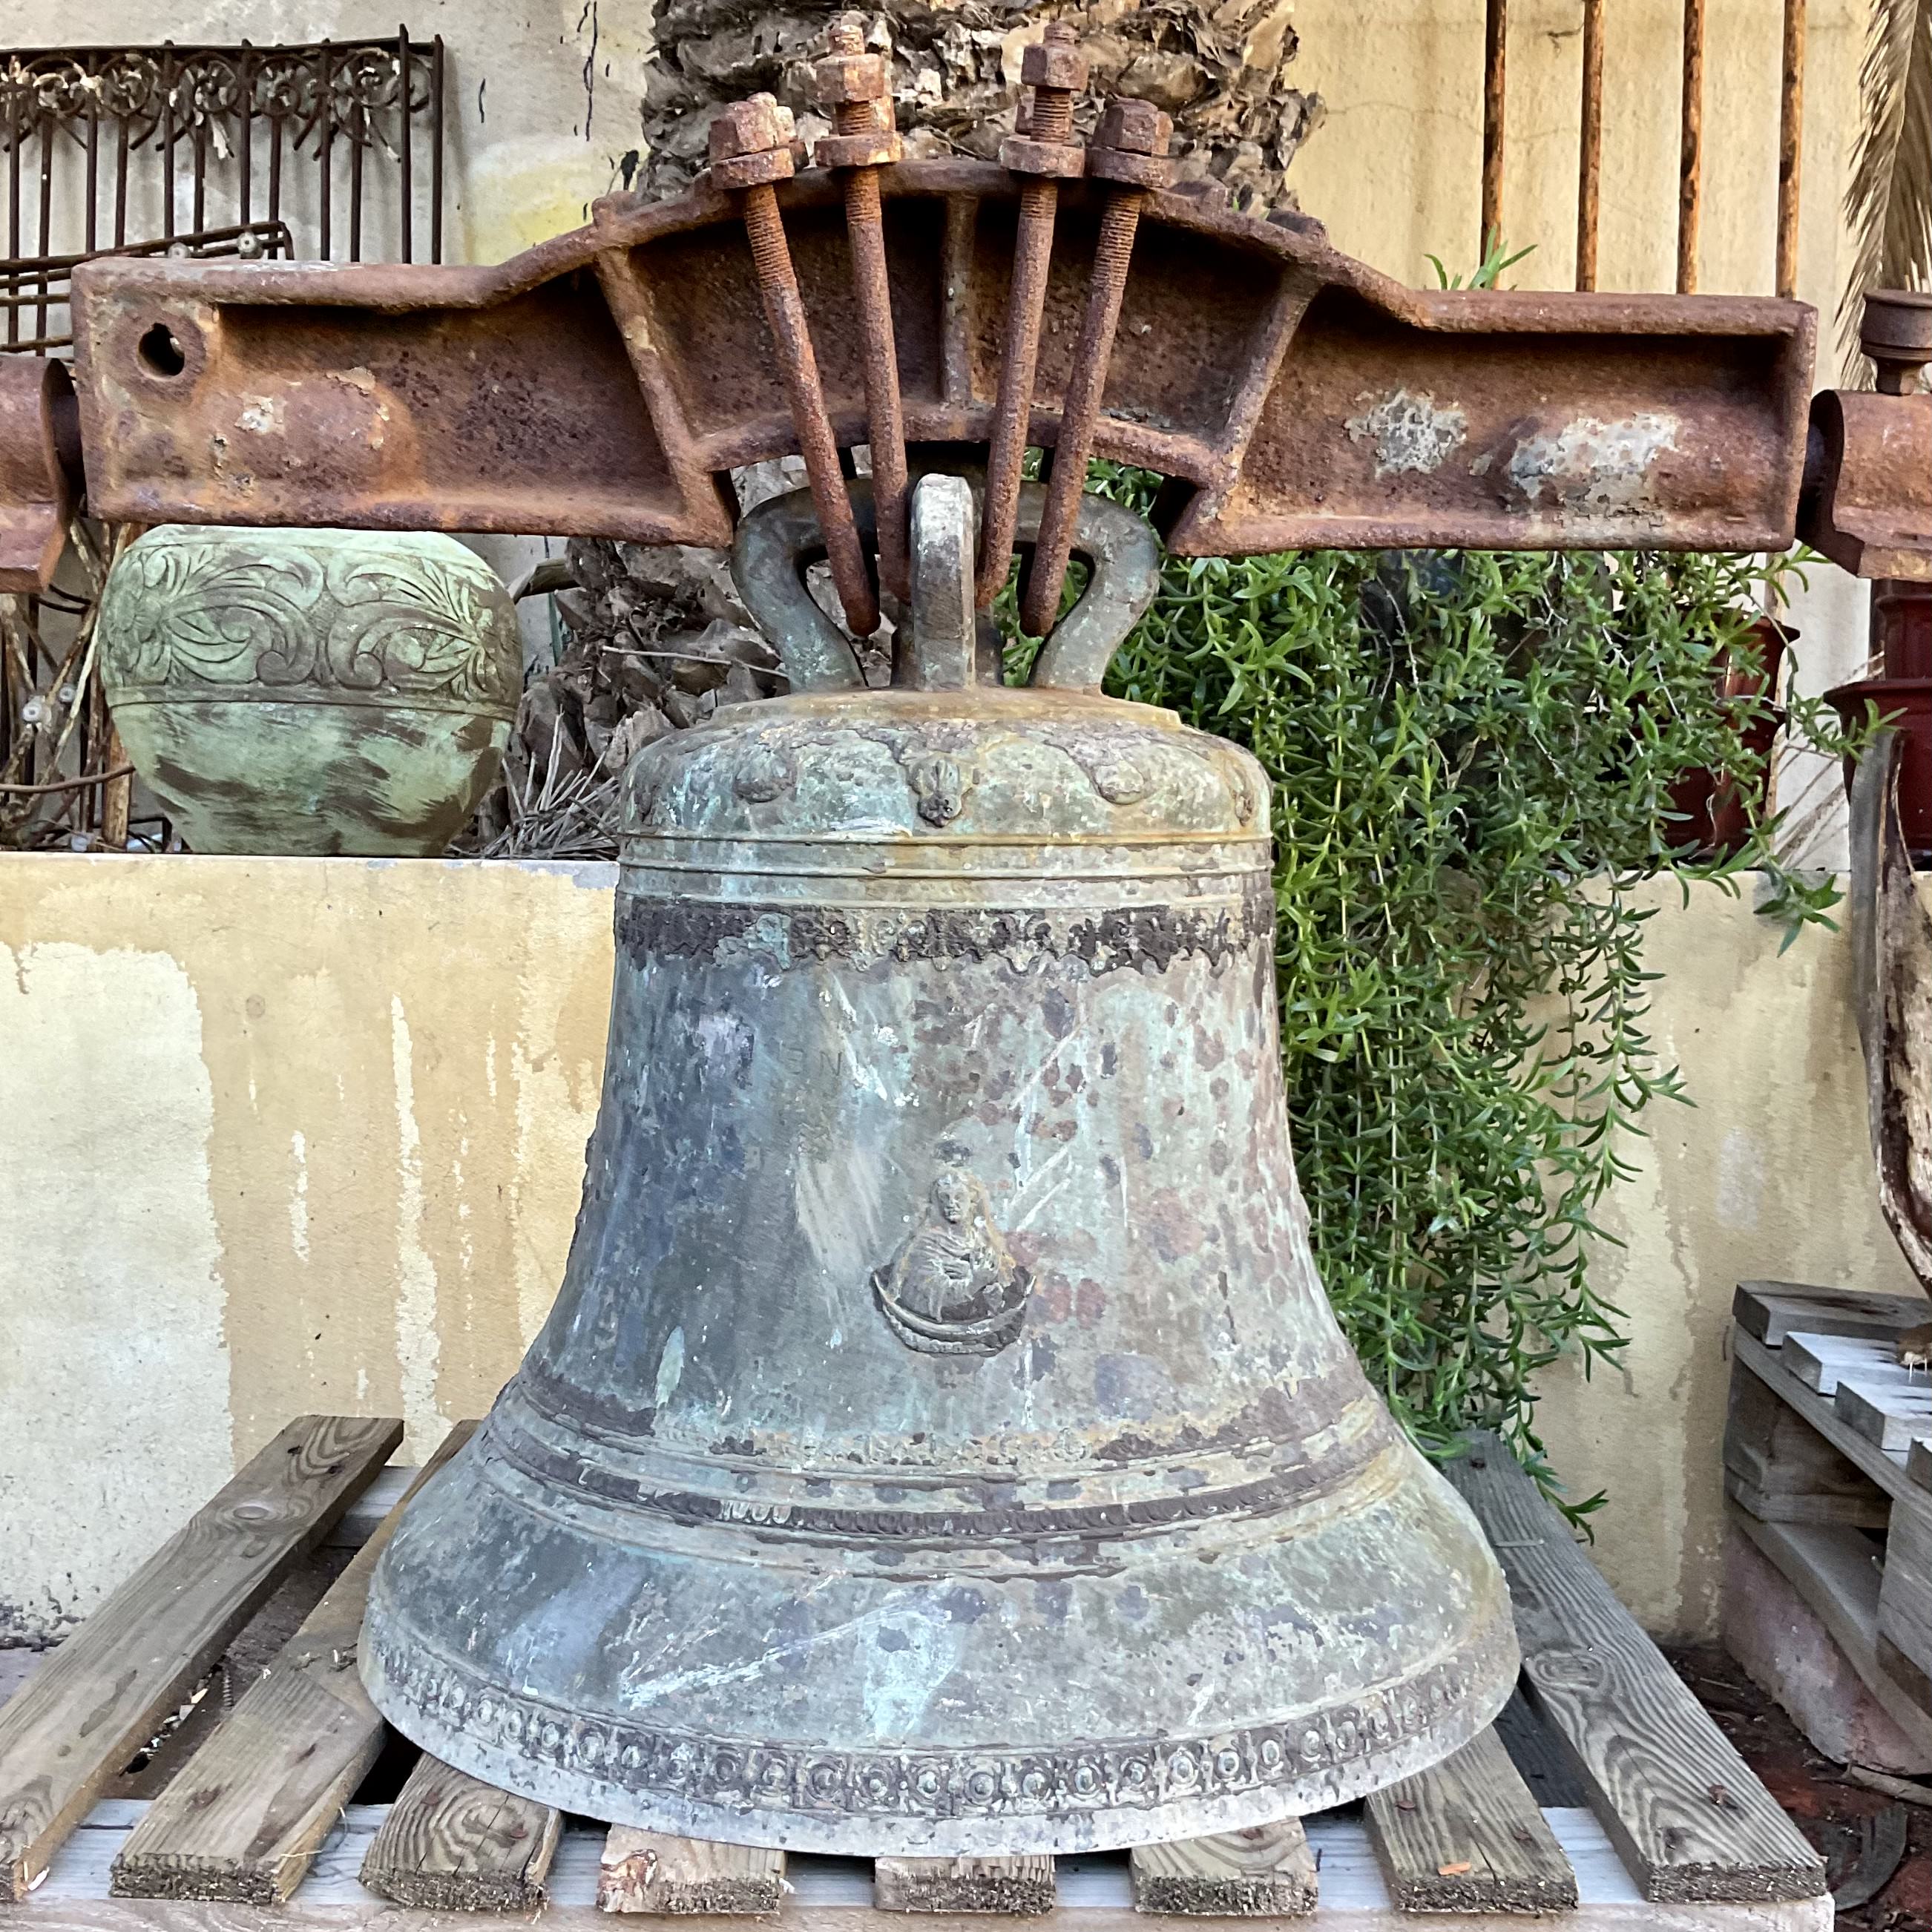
[(289, 1134)]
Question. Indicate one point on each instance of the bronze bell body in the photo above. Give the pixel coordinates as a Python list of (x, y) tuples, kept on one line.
[(940, 1443)]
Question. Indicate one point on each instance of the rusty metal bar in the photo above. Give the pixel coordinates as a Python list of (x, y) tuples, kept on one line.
[(1690, 153), (121, 182), (199, 217), (1385, 417), (856, 86), (1043, 154), (46, 214), (1495, 38), (1590, 147), (1128, 156), (1790, 145), (405, 185)]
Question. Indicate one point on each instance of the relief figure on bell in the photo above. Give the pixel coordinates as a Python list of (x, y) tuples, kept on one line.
[(954, 1287)]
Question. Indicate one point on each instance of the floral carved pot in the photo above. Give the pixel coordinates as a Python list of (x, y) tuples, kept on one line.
[(311, 691)]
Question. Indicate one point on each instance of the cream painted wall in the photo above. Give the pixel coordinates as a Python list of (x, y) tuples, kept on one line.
[(295, 1134), (278, 1135)]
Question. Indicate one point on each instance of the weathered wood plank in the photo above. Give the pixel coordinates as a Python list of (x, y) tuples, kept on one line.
[(1905, 1589), (1690, 1816), (1836, 1570), (1888, 1472), (1888, 1411), (1780, 1469), (137, 1658), (1267, 1872), (1467, 1836), (1767, 1311), (453, 1844), (1013, 1886), (1821, 1362), (245, 1819), (649, 1871)]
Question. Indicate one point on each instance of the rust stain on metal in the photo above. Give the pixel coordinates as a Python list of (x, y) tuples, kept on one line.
[(1594, 465)]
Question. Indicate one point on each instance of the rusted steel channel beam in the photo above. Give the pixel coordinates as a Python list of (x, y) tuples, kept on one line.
[(602, 383)]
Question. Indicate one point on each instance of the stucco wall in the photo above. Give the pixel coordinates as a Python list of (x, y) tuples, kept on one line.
[(289, 1134)]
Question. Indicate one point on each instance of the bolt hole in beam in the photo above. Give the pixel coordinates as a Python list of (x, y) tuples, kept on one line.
[(161, 352)]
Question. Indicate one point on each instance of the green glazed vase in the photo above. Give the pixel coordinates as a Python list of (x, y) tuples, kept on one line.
[(311, 691)]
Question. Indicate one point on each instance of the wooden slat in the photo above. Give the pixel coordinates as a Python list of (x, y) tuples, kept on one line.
[(1690, 1816), (1767, 1311), (1012, 1886), (1780, 1469), (1905, 1589), (1467, 1836), (1822, 1362), (135, 1660), (1887, 1471), (1836, 1571), (245, 1818), (453, 1844), (648, 1871), (1267, 1872), (1888, 1411), (1918, 1461)]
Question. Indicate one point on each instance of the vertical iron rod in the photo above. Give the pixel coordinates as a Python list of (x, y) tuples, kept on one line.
[(325, 142), (1790, 146), (435, 151), (1691, 156), (1590, 151), (13, 206), (93, 218), (1495, 37), (120, 182), (406, 193), (200, 220), (47, 215), (168, 145), (245, 185), (359, 134)]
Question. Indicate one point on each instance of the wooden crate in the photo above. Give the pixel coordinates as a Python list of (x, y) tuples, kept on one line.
[(257, 1828), (1828, 1467)]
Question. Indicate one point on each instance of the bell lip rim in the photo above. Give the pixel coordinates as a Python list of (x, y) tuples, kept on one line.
[(1491, 1646)]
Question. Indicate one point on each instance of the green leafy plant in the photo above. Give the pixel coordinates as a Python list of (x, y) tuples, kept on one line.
[(1472, 756)]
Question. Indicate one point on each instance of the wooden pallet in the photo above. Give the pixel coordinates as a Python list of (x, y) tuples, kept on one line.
[(1828, 1467), (257, 1826)]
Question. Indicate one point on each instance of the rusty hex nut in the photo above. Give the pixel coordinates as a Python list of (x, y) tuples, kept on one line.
[(1129, 146), (839, 80), (1061, 160), (1133, 127), (878, 149), (751, 142), (1046, 63)]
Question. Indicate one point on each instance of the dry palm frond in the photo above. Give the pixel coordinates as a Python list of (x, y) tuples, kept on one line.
[(1889, 203)]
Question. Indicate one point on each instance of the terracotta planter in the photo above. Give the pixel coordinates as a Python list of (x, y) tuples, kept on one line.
[(1910, 698), (1716, 816), (311, 691)]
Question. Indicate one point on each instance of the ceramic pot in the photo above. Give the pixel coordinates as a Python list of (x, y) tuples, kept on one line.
[(311, 691), (1715, 819), (1906, 704)]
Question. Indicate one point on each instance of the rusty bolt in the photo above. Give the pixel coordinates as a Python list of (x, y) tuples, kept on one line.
[(750, 143), (855, 84), (1055, 62), (1045, 154), (1128, 151)]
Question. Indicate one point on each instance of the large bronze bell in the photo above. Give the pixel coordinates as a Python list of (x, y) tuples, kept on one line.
[(940, 1443)]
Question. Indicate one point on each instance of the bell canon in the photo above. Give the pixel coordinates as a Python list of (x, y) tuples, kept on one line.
[(940, 1443)]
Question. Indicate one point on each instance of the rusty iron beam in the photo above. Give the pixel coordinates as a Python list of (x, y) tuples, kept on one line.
[(1298, 398), (40, 469)]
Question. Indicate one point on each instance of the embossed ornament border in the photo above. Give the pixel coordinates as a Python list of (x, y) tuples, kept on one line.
[(987, 1784)]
